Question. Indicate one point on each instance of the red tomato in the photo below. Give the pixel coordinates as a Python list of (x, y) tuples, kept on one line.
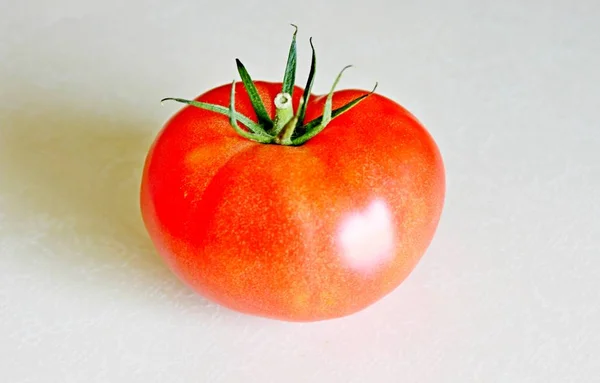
[(297, 233)]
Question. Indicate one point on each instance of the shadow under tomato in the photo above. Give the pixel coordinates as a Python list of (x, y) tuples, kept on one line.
[(70, 186)]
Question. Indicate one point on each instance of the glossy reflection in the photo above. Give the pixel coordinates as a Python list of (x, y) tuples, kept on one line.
[(367, 237)]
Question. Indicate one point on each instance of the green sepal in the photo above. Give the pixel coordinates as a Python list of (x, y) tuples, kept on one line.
[(317, 125), (253, 126), (307, 90), (233, 121), (289, 78), (257, 104), (293, 131)]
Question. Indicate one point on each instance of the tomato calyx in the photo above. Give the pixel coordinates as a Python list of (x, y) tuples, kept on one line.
[(287, 128)]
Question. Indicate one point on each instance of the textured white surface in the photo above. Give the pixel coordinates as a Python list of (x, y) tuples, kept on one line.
[(508, 291)]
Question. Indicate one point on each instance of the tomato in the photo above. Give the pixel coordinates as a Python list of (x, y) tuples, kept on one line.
[(293, 232)]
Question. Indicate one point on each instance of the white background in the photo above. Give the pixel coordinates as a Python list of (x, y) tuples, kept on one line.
[(507, 292)]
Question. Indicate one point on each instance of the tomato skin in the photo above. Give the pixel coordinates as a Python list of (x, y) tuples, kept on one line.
[(303, 233)]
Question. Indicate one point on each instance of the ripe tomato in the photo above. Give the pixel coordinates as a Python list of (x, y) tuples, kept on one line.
[(294, 232)]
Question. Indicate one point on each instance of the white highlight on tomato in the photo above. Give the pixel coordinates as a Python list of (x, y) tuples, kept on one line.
[(367, 238)]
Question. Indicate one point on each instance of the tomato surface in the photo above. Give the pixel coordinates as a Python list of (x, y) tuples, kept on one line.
[(296, 233)]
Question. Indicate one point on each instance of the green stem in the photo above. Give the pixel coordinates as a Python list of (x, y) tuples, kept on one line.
[(285, 136), (284, 112)]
